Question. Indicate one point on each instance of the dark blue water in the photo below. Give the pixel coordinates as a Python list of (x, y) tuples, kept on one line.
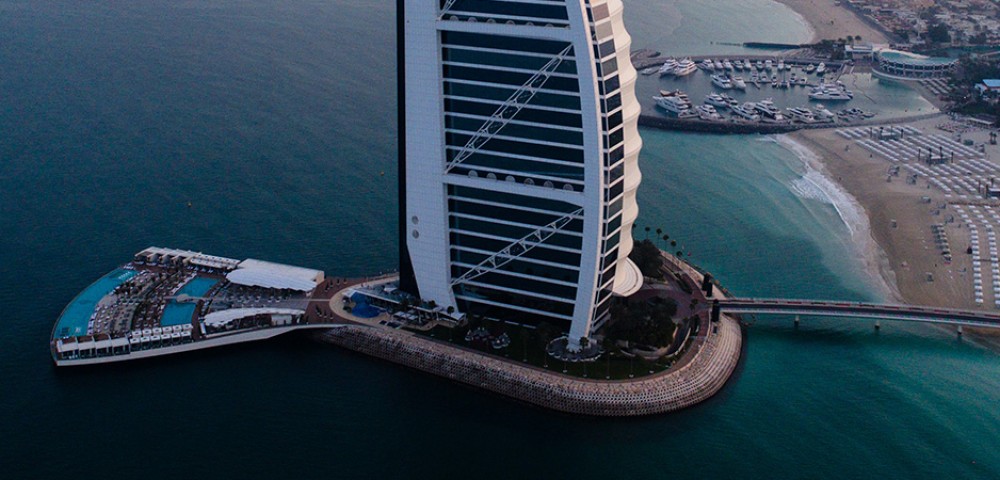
[(276, 121)]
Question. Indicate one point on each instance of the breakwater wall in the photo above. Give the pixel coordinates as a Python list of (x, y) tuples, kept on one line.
[(700, 126), (695, 380)]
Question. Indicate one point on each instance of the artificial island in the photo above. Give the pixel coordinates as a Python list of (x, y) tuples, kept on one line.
[(519, 274)]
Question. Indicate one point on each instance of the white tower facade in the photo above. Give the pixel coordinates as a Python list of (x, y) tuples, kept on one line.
[(518, 158)]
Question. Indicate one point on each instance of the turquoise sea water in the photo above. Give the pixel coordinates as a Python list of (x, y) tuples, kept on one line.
[(276, 121)]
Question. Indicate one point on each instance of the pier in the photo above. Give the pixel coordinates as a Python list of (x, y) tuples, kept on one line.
[(823, 308)]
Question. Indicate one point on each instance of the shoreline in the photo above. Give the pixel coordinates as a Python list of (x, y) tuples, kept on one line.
[(699, 379), (829, 21), (852, 213), (899, 225)]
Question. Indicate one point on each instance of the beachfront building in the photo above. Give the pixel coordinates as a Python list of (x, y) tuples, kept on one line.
[(899, 65), (989, 89), (518, 158)]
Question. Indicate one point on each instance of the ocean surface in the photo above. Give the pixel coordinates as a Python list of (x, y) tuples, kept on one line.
[(276, 120)]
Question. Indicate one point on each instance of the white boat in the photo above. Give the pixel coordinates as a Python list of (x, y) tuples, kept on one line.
[(738, 83), (733, 103), (768, 65), (831, 91), (685, 67), (748, 64), (738, 64), (781, 65), (727, 65), (668, 67), (716, 100), (802, 81), (774, 78), (689, 113), (722, 82), (768, 112), (823, 115), (810, 68), (649, 70), (802, 115), (673, 104), (747, 111), (821, 69), (707, 65), (759, 65), (675, 93), (708, 112), (718, 65)]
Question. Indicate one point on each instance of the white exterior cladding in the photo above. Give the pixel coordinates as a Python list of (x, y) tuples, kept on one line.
[(469, 195)]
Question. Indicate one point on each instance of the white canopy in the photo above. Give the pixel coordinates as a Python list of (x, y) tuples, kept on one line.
[(258, 273), (225, 316)]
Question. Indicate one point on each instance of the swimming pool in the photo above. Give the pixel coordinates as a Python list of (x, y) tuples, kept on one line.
[(181, 313), (74, 319)]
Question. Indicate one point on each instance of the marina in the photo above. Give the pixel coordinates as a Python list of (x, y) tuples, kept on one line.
[(812, 91)]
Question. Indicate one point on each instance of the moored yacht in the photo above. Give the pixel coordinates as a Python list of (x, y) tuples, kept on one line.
[(716, 100), (685, 67), (802, 115), (747, 111), (722, 82), (676, 93), (727, 65), (668, 67), (831, 91), (718, 65), (733, 103), (768, 112), (706, 65), (768, 65), (821, 69), (738, 64), (673, 104), (708, 112), (738, 83), (823, 115), (810, 68)]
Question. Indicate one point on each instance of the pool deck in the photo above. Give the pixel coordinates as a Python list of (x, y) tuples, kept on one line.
[(149, 308)]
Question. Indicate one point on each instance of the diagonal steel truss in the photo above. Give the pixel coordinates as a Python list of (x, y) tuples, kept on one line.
[(517, 101), (517, 248)]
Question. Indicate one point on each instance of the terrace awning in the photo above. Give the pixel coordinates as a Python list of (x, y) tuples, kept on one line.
[(258, 273), (223, 317)]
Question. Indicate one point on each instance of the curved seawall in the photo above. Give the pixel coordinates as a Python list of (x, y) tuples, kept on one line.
[(698, 379)]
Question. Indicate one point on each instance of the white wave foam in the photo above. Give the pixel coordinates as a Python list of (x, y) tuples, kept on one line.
[(815, 184)]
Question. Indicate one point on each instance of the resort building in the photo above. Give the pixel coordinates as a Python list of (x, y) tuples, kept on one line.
[(518, 158), (898, 65)]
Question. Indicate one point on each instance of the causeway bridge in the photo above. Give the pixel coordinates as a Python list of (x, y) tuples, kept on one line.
[(823, 308)]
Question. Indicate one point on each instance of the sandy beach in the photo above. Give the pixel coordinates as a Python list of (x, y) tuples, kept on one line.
[(831, 21), (901, 215)]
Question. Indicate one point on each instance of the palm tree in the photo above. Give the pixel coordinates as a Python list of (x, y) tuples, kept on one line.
[(647, 233)]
